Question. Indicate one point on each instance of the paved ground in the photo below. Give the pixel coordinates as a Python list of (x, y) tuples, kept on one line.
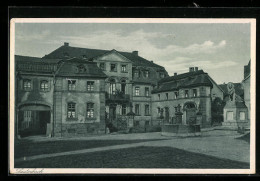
[(218, 143)]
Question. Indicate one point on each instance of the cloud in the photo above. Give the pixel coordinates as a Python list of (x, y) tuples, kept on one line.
[(32, 37)]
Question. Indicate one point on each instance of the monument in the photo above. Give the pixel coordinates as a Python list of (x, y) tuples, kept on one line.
[(235, 111)]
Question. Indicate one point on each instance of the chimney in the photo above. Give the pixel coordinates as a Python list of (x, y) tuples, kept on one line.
[(191, 69), (196, 69), (151, 61), (175, 73), (66, 44), (135, 53)]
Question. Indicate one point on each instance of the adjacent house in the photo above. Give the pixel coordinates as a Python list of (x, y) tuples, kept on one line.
[(192, 91)]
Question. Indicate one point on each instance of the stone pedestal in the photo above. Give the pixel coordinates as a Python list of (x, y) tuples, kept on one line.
[(235, 115)]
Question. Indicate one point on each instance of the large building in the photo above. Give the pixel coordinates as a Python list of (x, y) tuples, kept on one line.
[(78, 91)]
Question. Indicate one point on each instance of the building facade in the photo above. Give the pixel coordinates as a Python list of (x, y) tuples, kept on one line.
[(193, 91), (79, 91), (59, 97)]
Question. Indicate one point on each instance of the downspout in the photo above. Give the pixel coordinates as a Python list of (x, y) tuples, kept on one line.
[(54, 92), (53, 109)]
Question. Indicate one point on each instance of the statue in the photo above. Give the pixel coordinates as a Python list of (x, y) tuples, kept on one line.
[(231, 91)]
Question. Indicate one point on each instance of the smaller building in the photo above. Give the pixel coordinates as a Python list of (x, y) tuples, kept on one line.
[(59, 97), (192, 91)]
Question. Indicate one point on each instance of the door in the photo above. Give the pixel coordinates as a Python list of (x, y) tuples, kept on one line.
[(190, 115), (44, 119), (112, 113)]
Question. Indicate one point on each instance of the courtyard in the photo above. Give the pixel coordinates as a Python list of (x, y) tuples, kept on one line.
[(213, 149)]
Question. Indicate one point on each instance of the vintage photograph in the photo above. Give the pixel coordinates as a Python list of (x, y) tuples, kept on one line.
[(132, 96)]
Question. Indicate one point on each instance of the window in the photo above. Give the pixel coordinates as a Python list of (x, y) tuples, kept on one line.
[(147, 91), (242, 115), (230, 115), (147, 110), (90, 110), (175, 95), (90, 85), (146, 73), (194, 92), (81, 69), (123, 109), (71, 110), (112, 87), (161, 75), (123, 68), (72, 84), (123, 86), (27, 84), (102, 66), (136, 73), (186, 93), (44, 85), (137, 109), (137, 91), (166, 96), (113, 67), (159, 96)]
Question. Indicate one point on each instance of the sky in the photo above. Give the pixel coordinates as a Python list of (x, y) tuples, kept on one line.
[(221, 50)]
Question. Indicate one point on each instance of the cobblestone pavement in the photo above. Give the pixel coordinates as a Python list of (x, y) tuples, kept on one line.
[(216, 143)]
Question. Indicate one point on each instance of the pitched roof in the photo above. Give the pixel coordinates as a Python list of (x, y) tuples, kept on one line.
[(70, 68), (91, 53), (181, 76), (186, 80), (238, 88), (20, 58)]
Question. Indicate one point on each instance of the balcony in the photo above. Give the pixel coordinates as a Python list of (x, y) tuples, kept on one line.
[(117, 98)]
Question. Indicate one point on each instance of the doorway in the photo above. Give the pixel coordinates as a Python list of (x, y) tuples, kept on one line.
[(190, 109)]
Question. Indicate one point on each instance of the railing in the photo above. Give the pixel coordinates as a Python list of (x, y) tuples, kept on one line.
[(117, 97)]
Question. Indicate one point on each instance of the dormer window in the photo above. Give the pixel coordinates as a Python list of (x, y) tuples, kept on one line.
[(161, 75), (65, 54), (136, 73), (81, 69), (146, 73)]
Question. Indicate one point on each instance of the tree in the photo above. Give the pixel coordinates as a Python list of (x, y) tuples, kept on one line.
[(217, 107)]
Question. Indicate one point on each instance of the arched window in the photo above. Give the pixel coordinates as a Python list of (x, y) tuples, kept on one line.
[(90, 110), (27, 84), (190, 105), (44, 85), (71, 110)]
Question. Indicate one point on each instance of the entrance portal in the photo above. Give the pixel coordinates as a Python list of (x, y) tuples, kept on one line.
[(190, 109), (33, 120)]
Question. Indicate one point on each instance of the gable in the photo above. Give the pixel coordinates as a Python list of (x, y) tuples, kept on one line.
[(112, 57)]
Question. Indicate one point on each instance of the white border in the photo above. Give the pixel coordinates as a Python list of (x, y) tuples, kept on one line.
[(132, 171)]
